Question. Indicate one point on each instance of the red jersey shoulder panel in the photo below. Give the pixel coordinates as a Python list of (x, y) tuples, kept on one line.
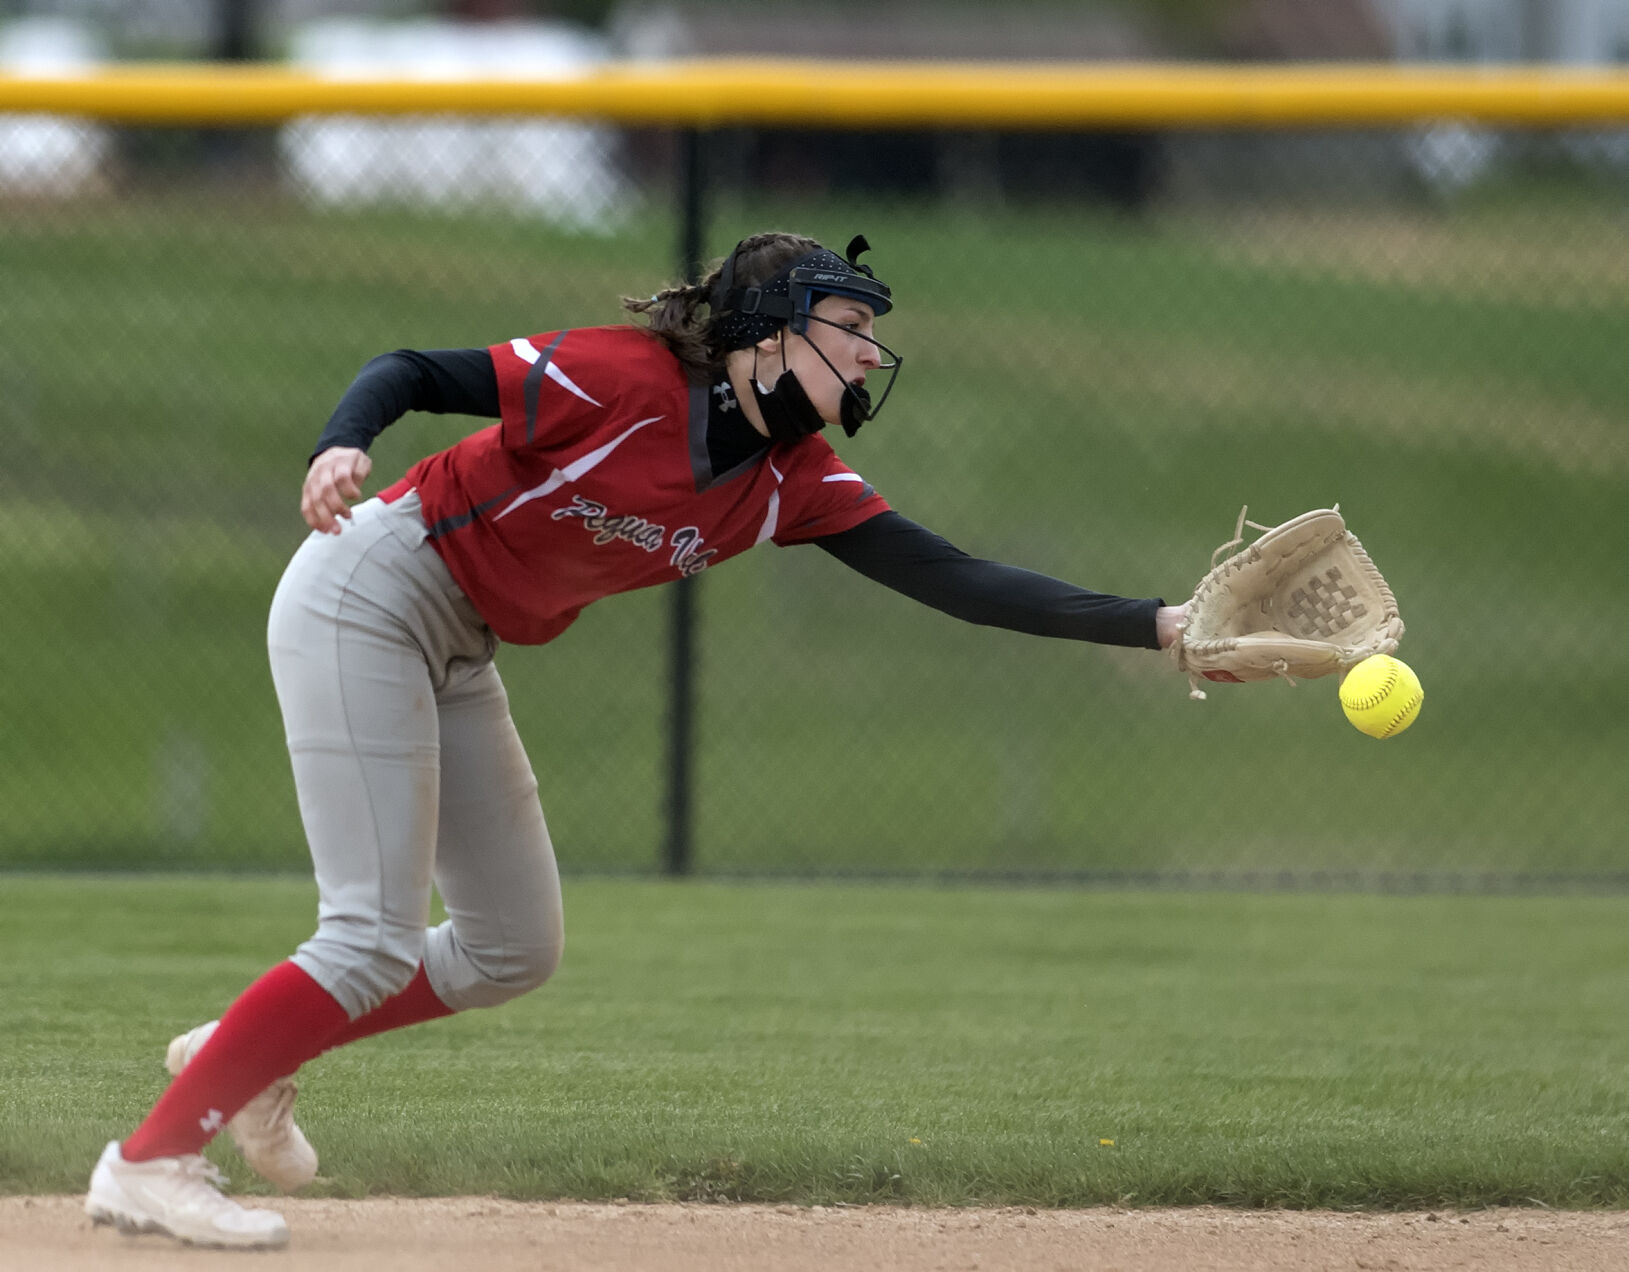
[(820, 494), (554, 388)]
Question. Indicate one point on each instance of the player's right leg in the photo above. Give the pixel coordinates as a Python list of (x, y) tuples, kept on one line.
[(350, 634)]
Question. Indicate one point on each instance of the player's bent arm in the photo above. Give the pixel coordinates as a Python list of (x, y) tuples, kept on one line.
[(445, 381), (442, 381), (895, 551)]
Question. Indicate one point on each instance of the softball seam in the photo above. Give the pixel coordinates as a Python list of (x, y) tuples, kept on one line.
[(1371, 700), (1405, 713)]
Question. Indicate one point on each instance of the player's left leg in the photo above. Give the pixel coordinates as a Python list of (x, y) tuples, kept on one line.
[(495, 866)]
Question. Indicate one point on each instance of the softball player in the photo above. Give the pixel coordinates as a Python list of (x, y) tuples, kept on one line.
[(622, 457)]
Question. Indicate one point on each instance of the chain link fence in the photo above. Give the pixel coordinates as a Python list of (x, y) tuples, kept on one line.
[(1112, 343)]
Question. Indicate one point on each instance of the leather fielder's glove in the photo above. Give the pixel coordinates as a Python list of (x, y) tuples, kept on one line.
[(1303, 600)]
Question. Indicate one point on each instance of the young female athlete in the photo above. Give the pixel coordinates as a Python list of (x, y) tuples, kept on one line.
[(623, 457)]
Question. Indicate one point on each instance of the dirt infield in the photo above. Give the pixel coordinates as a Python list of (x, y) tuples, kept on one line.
[(410, 1235)]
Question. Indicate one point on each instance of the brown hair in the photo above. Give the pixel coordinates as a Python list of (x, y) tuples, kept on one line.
[(681, 318)]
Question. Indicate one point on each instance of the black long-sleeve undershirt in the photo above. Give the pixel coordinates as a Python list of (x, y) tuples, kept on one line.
[(895, 551), (889, 548), (442, 381)]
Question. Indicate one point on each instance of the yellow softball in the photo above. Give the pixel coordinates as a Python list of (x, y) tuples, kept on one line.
[(1381, 696)]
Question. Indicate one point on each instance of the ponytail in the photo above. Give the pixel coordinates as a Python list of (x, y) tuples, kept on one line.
[(674, 320), (682, 318)]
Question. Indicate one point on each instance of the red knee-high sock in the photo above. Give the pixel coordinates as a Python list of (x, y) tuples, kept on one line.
[(416, 1003), (274, 1027)]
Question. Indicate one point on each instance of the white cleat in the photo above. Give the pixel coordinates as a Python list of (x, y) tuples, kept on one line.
[(178, 1196), (264, 1130)]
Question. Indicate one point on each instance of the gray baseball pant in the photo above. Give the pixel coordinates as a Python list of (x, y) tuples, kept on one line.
[(408, 769)]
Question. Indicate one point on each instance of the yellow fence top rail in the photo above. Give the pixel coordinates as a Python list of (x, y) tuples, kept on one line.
[(713, 93)]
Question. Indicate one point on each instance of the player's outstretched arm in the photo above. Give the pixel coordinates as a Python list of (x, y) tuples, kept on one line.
[(332, 483), (900, 554)]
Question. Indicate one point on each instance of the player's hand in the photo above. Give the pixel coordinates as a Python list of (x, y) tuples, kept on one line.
[(332, 482), (1168, 620)]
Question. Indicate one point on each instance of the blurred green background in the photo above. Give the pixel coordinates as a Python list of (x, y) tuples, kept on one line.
[(1089, 392)]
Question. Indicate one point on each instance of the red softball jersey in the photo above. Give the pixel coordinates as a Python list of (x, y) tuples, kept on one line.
[(597, 480)]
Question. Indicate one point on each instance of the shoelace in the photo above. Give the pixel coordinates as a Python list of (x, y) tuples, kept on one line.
[(202, 1179), (282, 1118), (272, 1124)]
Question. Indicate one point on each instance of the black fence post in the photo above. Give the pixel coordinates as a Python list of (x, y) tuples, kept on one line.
[(234, 35), (676, 853)]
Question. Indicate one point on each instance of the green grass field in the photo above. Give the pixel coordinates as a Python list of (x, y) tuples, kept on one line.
[(1087, 396), (856, 1044)]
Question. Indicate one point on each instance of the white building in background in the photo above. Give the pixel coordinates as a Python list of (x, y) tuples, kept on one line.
[(1571, 32), (48, 155), (564, 172)]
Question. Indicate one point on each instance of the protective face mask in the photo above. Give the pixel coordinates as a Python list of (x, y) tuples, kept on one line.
[(788, 413), (856, 408)]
